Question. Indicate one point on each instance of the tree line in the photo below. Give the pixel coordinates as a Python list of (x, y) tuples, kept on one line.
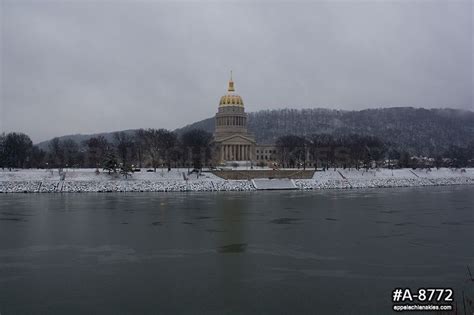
[(154, 148), (361, 151)]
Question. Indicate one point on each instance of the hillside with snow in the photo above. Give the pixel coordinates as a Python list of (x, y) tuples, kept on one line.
[(416, 130)]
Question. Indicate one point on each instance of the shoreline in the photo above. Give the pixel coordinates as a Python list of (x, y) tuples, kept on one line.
[(84, 180)]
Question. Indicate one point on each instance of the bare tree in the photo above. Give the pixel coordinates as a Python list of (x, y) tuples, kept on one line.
[(72, 155), (56, 153), (124, 145), (159, 145), (291, 150), (2, 150), (196, 145), (140, 145), (96, 148), (152, 146), (16, 148)]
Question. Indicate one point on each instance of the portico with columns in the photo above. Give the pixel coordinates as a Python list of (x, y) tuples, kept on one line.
[(236, 148)]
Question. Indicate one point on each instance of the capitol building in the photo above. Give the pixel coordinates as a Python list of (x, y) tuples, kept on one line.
[(232, 140)]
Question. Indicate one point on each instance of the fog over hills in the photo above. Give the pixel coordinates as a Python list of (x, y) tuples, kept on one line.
[(417, 130)]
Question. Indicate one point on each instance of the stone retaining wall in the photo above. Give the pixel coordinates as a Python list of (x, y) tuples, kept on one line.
[(217, 185), (252, 174)]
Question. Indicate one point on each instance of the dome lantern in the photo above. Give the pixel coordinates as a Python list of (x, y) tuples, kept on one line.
[(231, 99), (231, 84)]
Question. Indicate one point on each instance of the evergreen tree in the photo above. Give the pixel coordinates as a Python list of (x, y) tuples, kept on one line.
[(110, 163), (126, 170)]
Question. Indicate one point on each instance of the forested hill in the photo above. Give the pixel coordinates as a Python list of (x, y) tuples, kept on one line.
[(417, 130), (79, 138)]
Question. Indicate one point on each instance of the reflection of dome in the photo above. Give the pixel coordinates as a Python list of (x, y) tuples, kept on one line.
[(231, 99)]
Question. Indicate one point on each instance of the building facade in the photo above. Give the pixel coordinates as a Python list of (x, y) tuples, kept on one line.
[(265, 153), (232, 140)]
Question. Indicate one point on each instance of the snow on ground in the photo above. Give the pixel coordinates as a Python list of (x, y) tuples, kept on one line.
[(88, 174), (86, 180), (352, 178)]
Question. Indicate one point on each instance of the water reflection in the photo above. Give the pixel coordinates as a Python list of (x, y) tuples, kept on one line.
[(265, 252), (232, 220), (233, 248), (285, 220)]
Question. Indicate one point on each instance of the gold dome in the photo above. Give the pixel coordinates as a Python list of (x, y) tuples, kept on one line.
[(231, 99)]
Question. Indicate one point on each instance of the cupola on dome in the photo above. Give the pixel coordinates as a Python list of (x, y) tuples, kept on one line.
[(231, 99)]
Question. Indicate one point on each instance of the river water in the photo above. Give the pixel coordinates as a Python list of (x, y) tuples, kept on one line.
[(326, 252)]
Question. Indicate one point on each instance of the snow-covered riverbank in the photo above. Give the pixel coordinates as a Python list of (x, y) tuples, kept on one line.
[(85, 180), (386, 178)]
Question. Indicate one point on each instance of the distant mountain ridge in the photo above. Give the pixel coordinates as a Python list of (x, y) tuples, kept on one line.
[(417, 130), (79, 138)]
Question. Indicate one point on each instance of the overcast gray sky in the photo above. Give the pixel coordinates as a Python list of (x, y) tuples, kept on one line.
[(91, 66)]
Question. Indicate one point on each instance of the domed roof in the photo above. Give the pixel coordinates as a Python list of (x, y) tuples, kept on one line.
[(231, 99)]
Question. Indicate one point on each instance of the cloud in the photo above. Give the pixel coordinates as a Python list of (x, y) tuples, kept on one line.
[(90, 66)]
